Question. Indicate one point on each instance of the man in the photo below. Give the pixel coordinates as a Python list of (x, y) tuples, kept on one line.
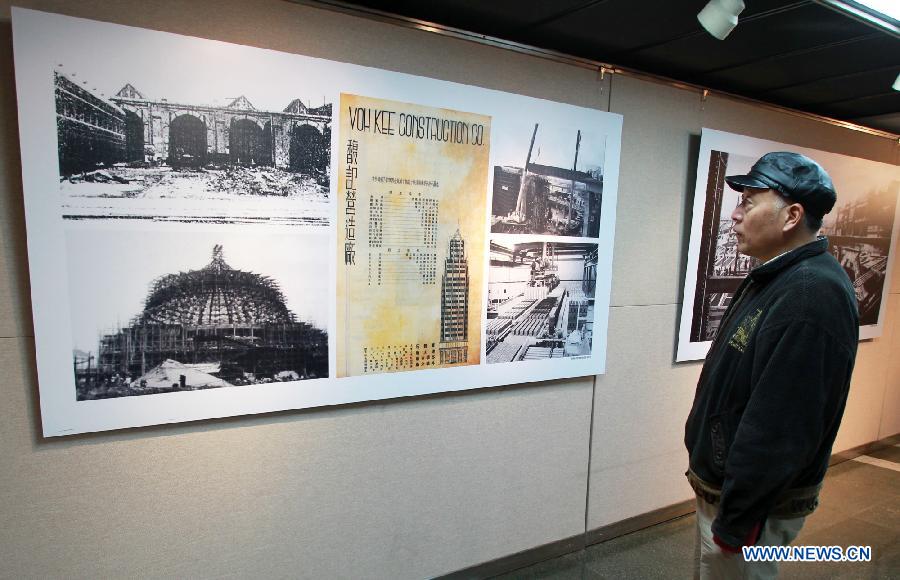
[(774, 384)]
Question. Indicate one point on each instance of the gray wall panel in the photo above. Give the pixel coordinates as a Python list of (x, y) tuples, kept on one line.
[(890, 412), (15, 306), (637, 451), (653, 210)]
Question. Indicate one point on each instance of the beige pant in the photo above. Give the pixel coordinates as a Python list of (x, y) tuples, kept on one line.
[(711, 563)]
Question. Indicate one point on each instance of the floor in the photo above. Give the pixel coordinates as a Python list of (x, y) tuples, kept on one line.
[(860, 506)]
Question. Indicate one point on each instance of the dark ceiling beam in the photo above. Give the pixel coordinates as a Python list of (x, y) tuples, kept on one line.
[(793, 53), (701, 32), (829, 78), (881, 113), (557, 16), (858, 99)]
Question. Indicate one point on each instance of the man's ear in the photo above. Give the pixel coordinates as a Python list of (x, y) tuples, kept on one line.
[(794, 217)]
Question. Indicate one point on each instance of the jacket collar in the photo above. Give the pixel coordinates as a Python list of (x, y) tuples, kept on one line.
[(786, 260)]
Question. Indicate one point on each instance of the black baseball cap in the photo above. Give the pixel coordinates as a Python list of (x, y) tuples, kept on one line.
[(794, 175)]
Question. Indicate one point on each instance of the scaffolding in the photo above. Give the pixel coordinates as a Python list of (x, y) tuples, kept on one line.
[(235, 319)]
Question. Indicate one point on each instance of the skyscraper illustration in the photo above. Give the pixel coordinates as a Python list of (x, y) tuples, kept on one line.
[(455, 303)]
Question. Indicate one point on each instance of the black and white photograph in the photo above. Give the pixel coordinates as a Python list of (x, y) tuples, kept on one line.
[(210, 139), (860, 230), (859, 235), (724, 267), (548, 180), (156, 312), (540, 300)]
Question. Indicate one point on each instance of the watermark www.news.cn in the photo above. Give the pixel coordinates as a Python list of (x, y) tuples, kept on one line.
[(807, 554)]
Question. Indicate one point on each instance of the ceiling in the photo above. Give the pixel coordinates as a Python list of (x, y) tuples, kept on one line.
[(802, 55)]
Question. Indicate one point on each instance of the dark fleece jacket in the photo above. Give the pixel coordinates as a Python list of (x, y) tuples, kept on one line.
[(774, 385)]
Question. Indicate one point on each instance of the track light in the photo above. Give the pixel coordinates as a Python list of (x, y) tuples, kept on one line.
[(719, 17)]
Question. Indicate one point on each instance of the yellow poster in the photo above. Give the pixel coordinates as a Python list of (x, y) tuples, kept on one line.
[(411, 223)]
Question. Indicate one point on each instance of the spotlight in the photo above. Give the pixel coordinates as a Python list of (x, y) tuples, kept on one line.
[(896, 85), (719, 17)]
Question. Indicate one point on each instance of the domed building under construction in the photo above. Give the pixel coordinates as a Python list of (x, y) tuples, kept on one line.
[(212, 327)]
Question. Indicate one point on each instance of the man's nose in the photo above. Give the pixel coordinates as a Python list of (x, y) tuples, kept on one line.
[(737, 215)]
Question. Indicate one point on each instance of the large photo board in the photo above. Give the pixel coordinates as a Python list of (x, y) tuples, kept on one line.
[(254, 231), (861, 230)]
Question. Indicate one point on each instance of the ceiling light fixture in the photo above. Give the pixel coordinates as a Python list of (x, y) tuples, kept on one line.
[(719, 17)]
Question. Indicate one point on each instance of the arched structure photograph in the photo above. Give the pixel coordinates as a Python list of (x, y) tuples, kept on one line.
[(129, 156)]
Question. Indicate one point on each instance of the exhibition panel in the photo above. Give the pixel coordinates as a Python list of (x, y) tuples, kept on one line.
[(216, 239)]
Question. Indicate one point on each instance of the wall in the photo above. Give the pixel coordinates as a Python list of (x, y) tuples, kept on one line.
[(414, 487)]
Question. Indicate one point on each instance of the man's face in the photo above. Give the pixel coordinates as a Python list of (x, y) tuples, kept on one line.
[(758, 223)]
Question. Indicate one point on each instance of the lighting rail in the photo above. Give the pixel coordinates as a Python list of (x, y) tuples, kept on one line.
[(864, 14), (601, 67)]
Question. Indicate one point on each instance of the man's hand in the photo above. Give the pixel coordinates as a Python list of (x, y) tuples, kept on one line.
[(751, 540)]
